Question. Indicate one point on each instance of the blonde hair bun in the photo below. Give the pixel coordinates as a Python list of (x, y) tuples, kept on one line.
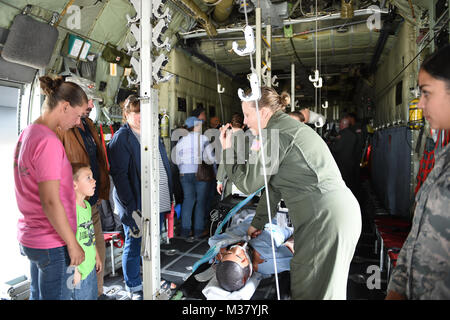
[(285, 99)]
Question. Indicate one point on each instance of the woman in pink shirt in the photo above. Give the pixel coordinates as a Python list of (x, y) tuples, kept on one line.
[(45, 193)]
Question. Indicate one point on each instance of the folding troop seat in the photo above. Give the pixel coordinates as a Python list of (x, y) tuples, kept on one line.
[(391, 234), (392, 261), (115, 240), (387, 221)]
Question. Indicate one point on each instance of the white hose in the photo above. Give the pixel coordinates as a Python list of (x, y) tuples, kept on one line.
[(265, 173), (317, 119)]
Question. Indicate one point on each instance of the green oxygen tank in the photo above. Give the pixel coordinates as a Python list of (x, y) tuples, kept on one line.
[(164, 124)]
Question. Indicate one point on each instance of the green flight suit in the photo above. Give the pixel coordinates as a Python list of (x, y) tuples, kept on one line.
[(240, 142), (325, 214)]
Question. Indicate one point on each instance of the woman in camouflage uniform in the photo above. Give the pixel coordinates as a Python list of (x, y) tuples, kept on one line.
[(423, 265)]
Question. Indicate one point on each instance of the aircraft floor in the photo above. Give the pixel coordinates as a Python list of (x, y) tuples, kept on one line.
[(178, 257)]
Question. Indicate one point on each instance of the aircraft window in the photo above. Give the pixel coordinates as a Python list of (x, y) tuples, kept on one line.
[(36, 102), (17, 265), (181, 104)]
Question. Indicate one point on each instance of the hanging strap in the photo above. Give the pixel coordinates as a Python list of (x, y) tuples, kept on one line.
[(104, 145), (112, 130)]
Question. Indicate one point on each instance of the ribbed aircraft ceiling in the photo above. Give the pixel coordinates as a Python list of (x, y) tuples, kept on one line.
[(344, 45)]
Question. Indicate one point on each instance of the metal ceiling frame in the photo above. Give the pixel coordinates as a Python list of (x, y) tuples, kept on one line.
[(286, 22), (388, 26), (192, 51)]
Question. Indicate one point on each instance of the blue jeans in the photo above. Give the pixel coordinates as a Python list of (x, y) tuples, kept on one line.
[(131, 262), (194, 194), (50, 273), (87, 288)]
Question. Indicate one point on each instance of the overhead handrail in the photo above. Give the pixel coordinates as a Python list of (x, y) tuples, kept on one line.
[(254, 85), (318, 84), (250, 47)]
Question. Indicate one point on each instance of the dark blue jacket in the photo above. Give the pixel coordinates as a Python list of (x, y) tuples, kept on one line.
[(124, 155)]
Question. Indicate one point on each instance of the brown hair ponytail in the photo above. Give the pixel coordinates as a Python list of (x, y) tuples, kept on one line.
[(57, 90)]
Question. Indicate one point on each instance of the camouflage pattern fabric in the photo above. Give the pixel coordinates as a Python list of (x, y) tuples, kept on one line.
[(423, 265)]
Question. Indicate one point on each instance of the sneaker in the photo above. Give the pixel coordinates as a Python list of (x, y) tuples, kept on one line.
[(167, 285), (105, 297), (138, 295)]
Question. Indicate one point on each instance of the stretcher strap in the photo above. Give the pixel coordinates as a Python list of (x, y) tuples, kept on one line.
[(112, 130), (369, 150)]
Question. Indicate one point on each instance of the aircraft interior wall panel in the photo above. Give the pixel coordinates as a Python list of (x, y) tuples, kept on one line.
[(111, 24), (402, 52), (199, 84), (88, 15), (391, 167), (113, 83)]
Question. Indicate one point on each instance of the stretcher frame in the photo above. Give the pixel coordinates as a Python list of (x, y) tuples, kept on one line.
[(192, 289)]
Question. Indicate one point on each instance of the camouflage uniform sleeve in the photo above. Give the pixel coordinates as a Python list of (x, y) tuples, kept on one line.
[(399, 277), (431, 254), (427, 243)]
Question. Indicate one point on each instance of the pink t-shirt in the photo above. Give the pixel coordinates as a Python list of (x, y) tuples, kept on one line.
[(40, 156)]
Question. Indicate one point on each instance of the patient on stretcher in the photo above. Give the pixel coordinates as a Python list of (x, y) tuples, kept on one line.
[(238, 259)]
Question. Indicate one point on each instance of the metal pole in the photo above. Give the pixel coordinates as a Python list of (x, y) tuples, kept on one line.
[(149, 160), (432, 18), (269, 54), (292, 86), (258, 42)]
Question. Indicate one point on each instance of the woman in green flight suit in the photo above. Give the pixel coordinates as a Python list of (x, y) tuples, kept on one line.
[(325, 214), (240, 142)]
